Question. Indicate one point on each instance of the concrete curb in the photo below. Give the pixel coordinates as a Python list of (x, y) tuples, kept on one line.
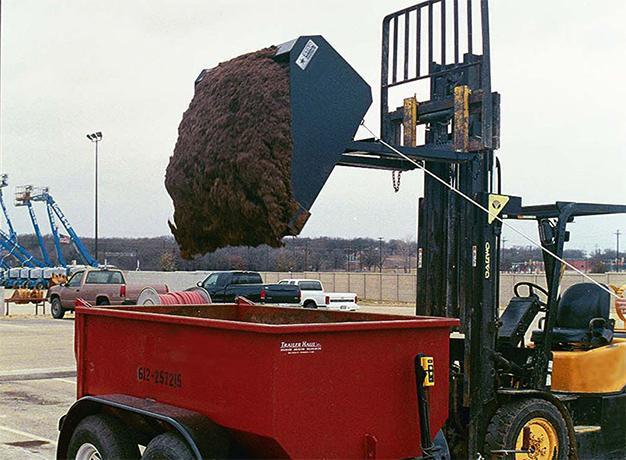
[(37, 374)]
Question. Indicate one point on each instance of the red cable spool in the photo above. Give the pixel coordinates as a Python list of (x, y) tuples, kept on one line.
[(194, 296)]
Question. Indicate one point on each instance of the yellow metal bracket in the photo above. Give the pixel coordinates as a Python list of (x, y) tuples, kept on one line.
[(409, 122), (461, 118)]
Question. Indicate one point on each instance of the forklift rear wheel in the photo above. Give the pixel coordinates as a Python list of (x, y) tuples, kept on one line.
[(57, 310), (168, 446), (534, 422), (102, 437)]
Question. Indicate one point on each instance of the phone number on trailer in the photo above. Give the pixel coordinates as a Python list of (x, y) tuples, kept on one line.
[(159, 377)]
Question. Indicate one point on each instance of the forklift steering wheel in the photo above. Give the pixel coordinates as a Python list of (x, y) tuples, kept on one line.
[(531, 291)]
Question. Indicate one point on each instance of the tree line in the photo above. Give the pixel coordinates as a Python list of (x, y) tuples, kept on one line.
[(297, 254)]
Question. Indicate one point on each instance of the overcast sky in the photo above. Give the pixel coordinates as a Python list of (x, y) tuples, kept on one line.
[(126, 68)]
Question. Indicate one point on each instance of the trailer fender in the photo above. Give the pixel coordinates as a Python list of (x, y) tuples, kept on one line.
[(205, 438), (519, 394)]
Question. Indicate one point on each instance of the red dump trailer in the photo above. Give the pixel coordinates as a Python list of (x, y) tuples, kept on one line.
[(248, 381)]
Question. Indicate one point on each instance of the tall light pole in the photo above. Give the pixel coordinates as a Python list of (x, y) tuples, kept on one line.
[(380, 253), (617, 264), (95, 138)]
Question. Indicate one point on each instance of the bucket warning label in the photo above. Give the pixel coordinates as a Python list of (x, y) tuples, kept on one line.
[(307, 54), (300, 348)]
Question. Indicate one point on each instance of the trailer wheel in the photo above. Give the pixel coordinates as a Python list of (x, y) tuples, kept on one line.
[(56, 308), (537, 420), (102, 437), (168, 446)]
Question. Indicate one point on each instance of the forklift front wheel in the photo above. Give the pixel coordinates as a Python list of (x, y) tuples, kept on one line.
[(528, 429)]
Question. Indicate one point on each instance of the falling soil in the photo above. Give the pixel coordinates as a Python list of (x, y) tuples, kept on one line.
[(230, 174)]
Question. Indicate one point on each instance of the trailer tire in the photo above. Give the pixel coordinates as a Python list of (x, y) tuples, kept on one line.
[(548, 430), (168, 446), (102, 436), (56, 308)]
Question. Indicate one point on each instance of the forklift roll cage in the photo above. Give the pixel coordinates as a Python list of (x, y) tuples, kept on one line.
[(552, 223)]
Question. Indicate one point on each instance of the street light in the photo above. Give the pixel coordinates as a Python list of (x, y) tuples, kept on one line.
[(95, 138), (380, 253)]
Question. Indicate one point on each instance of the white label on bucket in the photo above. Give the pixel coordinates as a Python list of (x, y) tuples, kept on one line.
[(307, 54), (300, 347)]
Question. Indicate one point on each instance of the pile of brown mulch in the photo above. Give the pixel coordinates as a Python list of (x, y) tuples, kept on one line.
[(230, 174)]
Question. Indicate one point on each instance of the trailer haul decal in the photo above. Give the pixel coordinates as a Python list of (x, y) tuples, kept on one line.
[(300, 348)]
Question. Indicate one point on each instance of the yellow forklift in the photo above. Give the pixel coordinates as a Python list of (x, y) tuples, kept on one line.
[(558, 391)]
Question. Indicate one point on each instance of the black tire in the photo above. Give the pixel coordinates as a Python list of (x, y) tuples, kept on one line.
[(105, 433), (103, 301), (40, 286), (168, 446), (310, 304), (509, 421), (56, 309)]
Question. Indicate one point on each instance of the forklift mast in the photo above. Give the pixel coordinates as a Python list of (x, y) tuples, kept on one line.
[(445, 44), (461, 116), (439, 51)]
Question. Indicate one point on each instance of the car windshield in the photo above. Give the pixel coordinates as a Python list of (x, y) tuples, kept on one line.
[(210, 281), (75, 279)]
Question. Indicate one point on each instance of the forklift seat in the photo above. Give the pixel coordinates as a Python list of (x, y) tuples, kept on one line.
[(582, 319)]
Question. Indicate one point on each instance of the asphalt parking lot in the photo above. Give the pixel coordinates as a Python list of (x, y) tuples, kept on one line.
[(38, 379), (37, 383)]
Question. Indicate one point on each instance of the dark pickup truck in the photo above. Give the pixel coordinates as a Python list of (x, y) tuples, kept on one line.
[(224, 287)]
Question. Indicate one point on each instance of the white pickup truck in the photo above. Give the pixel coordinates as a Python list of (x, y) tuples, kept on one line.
[(314, 296)]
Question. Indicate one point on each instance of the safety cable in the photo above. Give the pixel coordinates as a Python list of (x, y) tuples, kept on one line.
[(481, 207)]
